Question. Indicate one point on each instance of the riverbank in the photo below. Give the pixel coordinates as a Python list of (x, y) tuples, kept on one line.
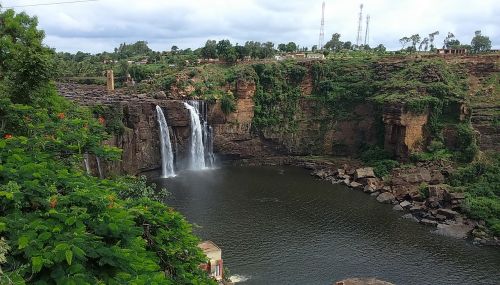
[(419, 191)]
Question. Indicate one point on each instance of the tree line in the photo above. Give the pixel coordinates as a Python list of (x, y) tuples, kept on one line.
[(479, 42)]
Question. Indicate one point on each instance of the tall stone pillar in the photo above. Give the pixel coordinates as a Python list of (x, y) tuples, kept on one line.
[(110, 80)]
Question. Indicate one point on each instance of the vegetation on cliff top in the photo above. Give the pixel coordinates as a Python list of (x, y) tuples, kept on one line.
[(58, 225)]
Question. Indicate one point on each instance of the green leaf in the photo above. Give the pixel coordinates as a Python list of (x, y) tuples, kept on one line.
[(44, 236), (69, 256), (69, 221), (23, 242), (78, 252), (62, 246), (36, 264), (3, 226)]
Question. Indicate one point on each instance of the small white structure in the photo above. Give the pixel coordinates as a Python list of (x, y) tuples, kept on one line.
[(315, 56), (214, 266)]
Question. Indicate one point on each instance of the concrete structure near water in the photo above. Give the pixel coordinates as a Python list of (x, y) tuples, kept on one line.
[(455, 51), (214, 266)]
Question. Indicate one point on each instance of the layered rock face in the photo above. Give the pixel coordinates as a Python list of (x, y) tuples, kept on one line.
[(315, 133), (404, 131), (140, 140)]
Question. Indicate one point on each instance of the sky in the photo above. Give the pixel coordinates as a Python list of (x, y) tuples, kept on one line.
[(102, 25)]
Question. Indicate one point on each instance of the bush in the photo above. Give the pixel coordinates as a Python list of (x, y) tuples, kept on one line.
[(228, 103), (379, 159), (481, 181)]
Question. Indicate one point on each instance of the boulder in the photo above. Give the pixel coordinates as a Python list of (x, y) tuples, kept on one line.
[(356, 185), (405, 204), (460, 231), (385, 197), (369, 188), (410, 217), (438, 191), (397, 208), (160, 95), (366, 172), (448, 213), (375, 194), (436, 177)]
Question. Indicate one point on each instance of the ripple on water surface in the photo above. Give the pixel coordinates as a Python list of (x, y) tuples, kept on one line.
[(281, 226)]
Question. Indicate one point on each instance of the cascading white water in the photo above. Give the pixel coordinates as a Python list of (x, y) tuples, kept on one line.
[(167, 156), (98, 162), (197, 149), (86, 163)]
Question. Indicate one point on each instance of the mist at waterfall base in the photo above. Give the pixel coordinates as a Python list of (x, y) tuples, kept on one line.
[(200, 154), (278, 225)]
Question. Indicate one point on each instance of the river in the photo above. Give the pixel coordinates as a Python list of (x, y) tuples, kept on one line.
[(278, 225)]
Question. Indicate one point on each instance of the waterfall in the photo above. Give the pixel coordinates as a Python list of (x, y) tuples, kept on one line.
[(86, 163), (167, 157), (201, 154), (98, 162)]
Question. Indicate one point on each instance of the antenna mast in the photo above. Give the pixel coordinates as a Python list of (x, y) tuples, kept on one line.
[(322, 28), (367, 31), (358, 38)]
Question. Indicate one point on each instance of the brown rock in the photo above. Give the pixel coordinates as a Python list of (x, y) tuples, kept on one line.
[(366, 172), (448, 213), (385, 198)]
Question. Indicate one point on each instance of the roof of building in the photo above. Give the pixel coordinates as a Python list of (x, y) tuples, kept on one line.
[(208, 246)]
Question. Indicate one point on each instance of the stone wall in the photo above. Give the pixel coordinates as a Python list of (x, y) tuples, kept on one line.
[(404, 131)]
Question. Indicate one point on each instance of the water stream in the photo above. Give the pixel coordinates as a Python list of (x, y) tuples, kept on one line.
[(167, 156), (201, 154)]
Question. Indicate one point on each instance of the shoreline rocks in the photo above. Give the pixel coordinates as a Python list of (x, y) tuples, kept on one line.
[(418, 192)]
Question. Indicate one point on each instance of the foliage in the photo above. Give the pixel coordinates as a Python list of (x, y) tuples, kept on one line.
[(480, 43), (435, 151), (25, 63), (379, 159), (342, 84), (111, 117), (228, 103), (466, 141), (64, 227), (277, 94), (481, 181)]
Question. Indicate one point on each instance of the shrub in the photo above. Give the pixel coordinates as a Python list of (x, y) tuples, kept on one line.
[(228, 103)]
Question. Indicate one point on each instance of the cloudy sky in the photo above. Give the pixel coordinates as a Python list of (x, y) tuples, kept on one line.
[(103, 24)]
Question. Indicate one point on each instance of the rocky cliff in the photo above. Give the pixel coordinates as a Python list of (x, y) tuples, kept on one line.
[(305, 124)]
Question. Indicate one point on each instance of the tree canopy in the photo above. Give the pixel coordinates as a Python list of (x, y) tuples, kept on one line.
[(59, 225)]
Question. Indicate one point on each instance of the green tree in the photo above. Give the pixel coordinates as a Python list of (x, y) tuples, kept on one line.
[(241, 51), (379, 49), (209, 50), (226, 51), (174, 49), (431, 39), (424, 43), (57, 224), (26, 65), (404, 41), (415, 39), (282, 47), (480, 43), (291, 47), (334, 44), (347, 45)]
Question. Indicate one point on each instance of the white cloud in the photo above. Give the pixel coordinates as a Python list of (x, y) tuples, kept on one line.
[(102, 25)]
